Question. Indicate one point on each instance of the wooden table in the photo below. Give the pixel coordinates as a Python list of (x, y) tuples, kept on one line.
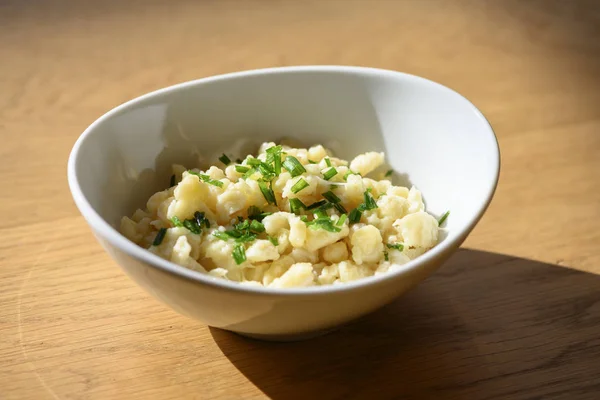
[(514, 315)]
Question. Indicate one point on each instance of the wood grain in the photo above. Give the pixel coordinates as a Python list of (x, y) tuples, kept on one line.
[(514, 315)]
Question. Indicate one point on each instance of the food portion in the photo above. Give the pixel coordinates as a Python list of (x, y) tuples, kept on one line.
[(287, 217)]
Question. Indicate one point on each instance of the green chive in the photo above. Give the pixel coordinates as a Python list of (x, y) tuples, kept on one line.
[(159, 236), (201, 219), (173, 181), (329, 195), (253, 161), (207, 179), (293, 166), (296, 205), (342, 219), (256, 226), (242, 225), (355, 216), (274, 240), (267, 192), (176, 221), (389, 172), (311, 162), (347, 174), (298, 186), (239, 253), (328, 161), (444, 217), (241, 169), (274, 157), (304, 218), (321, 213), (385, 255), (253, 211), (266, 171), (340, 208), (316, 204), (221, 235), (249, 173), (395, 246), (330, 173), (370, 203), (323, 223), (192, 226), (248, 237), (224, 159)]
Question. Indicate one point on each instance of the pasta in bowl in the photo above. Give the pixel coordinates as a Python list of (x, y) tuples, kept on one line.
[(287, 217)]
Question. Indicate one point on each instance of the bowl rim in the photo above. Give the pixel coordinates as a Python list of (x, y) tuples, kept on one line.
[(116, 239)]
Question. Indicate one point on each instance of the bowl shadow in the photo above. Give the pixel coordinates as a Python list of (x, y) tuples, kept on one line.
[(487, 326)]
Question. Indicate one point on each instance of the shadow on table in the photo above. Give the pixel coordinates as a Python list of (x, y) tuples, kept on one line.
[(485, 326)]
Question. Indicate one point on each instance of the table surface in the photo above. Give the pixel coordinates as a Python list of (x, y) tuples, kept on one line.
[(515, 314)]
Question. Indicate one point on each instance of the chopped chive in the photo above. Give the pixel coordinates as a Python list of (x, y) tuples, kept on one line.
[(330, 173), (333, 186), (176, 221), (311, 161), (249, 173), (274, 240), (395, 246), (340, 208), (323, 223), (293, 166), (348, 173), (329, 195), (224, 159), (321, 213), (256, 226), (173, 181), (298, 186), (355, 216), (370, 203), (444, 217), (277, 162), (304, 218), (253, 211), (274, 157), (207, 179), (241, 169), (267, 192), (296, 205), (389, 172), (239, 253), (221, 235), (201, 219), (316, 204), (328, 161), (247, 237), (159, 236), (342, 219), (254, 162), (192, 226), (274, 149), (277, 165), (242, 225), (266, 171), (385, 256)]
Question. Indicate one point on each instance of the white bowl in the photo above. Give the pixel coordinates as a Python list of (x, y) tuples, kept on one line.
[(432, 134)]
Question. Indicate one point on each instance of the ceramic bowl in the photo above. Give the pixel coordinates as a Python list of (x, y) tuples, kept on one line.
[(435, 138)]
